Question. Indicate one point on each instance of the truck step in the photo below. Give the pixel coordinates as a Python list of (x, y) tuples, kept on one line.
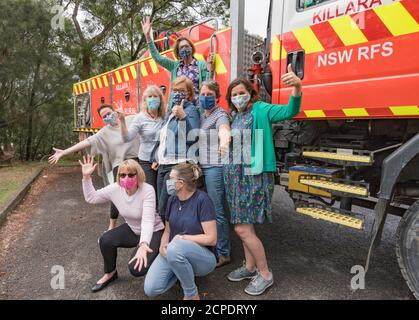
[(338, 187), (340, 156), (330, 214)]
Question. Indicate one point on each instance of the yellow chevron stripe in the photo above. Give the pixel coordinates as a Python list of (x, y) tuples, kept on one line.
[(276, 47), (99, 82), (405, 110), (355, 112), (397, 19), (105, 81), (308, 40), (220, 67), (75, 89), (118, 76), (94, 84), (348, 31), (199, 57), (126, 75), (133, 71), (143, 70), (315, 114), (153, 66)]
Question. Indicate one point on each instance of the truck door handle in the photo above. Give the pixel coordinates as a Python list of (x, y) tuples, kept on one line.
[(297, 61)]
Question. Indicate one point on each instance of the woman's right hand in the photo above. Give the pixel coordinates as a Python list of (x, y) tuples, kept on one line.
[(56, 156), (163, 250), (88, 166), (147, 25)]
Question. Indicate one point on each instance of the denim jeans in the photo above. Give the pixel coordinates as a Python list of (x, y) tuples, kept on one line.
[(214, 183), (184, 260)]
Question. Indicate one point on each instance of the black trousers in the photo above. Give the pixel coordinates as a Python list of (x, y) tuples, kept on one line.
[(162, 195), (124, 237), (150, 175), (114, 211)]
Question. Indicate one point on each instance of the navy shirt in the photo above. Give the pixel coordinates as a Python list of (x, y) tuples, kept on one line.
[(185, 217)]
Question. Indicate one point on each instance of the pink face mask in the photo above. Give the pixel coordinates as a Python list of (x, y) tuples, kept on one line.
[(128, 183)]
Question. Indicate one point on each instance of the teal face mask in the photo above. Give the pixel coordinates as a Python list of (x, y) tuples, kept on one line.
[(153, 103)]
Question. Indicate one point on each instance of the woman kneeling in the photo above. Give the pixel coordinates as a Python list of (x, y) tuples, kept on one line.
[(187, 245)]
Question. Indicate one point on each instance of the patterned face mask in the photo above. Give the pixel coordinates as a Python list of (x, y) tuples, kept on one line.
[(110, 119), (185, 53), (177, 97), (241, 102)]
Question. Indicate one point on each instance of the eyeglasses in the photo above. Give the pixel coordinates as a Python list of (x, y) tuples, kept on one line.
[(130, 175)]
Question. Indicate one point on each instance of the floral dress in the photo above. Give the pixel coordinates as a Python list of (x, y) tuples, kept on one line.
[(191, 72), (249, 196)]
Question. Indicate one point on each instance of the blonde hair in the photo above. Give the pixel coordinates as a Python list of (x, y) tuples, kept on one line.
[(189, 173), (133, 167), (150, 90), (189, 86)]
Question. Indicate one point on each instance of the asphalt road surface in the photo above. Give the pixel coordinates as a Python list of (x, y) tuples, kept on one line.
[(310, 259)]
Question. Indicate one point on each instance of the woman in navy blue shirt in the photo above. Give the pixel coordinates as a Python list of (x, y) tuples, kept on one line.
[(187, 245)]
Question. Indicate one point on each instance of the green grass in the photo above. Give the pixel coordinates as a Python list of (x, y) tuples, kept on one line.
[(14, 177)]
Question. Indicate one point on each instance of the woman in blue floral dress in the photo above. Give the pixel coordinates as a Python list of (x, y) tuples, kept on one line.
[(249, 175)]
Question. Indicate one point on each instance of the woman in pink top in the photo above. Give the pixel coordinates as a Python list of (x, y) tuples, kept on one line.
[(136, 202)]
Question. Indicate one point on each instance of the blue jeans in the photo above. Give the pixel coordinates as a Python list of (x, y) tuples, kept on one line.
[(214, 183), (184, 260)]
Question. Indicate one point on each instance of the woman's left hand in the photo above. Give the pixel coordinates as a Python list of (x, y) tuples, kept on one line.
[(141, 257), (290, 79)]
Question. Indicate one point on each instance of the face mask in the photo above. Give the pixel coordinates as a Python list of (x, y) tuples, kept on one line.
[(185, 53), (171, 187), (110, 119), (153, 103), (207, 102), (177, 97), (128, 183), (241, 101)]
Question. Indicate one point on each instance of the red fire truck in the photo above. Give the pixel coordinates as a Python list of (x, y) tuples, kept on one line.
[(355, 142)]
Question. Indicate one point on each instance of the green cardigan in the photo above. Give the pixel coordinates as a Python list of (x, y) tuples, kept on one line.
[(264, 115), (172, 66)]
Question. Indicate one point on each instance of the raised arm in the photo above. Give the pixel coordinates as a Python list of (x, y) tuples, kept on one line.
[(59, 153), (163, 61), (128, 133), (284, 112), (90, 194)]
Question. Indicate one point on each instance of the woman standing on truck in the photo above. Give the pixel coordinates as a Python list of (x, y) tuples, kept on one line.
[(187, 65), (147, 125), (250, 186)]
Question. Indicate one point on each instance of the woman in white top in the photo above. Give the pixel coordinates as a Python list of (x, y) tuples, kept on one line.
[(147, 125), (136, 202)]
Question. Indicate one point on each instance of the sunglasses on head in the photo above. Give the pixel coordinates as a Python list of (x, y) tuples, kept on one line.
[(130, 175)]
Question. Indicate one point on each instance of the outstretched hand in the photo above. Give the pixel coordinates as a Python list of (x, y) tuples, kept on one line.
[(147, 25), (88, 166), (56, 156)]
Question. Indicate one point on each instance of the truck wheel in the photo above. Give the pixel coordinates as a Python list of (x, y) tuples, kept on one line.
[(407, 247)]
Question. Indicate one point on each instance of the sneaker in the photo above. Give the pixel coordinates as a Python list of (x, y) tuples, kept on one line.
[(258, 285), (241, 274)]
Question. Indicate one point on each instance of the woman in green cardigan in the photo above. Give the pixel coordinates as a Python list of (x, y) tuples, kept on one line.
[(185, 65), (249, 178)]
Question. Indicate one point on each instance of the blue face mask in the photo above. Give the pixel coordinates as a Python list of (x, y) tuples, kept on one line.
[(177, 97), (171, 187), (111, 119), (185, 53), (207, 102), (153, 103)]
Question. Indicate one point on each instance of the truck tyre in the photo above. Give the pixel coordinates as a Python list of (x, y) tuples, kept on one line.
[(407, 248)]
